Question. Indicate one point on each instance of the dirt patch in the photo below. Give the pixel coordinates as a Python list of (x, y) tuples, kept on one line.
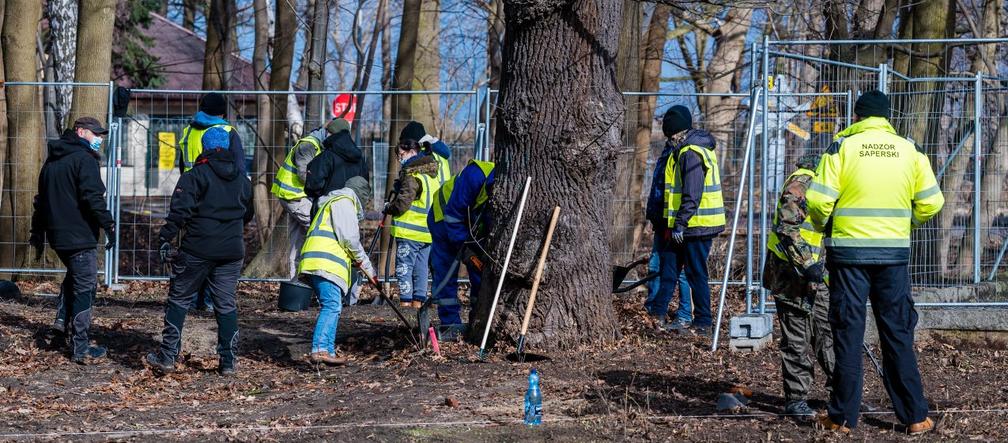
[(647, 386)]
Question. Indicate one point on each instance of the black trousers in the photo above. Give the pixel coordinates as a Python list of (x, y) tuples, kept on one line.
[(888, 288), (77, 293), (189, 274)]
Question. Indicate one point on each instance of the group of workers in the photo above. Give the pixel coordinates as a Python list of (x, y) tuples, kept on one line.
[(840, 237)]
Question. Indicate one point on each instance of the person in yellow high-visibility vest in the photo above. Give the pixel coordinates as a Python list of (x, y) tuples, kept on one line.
[(333, 246), (794, 274), (212, 109), (870, 189), (694, 213), (429, 145), (288, 187), (413, 192)]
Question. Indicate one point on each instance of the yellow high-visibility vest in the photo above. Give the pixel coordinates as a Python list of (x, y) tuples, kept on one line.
[(444, 169), (710, 212), (808, 233), (191, 144), (287, 185), (412, 225), (322, 251), (444, 194)]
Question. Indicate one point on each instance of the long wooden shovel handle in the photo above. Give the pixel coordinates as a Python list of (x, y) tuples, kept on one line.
[(539, 270)]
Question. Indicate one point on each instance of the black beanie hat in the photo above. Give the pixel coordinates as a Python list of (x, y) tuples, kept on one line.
[(872, 104), (676, 119), (413, 131), (213, 104)]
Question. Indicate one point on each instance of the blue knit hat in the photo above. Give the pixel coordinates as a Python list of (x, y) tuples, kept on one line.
[(216, 138)]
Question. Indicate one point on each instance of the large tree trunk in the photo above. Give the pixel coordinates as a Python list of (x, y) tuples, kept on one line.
[(217, 60), (272, 257), (26, 137), (559, 119), (622, 243), (401, 109), (63, 37), (723, 72), (315, 110), (427, 67), (94, 58), (495, 40), (264, 132)]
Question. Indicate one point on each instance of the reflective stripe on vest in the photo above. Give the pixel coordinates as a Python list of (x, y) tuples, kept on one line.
[(287, 185), (444, 169), (711, 211), (322, 251), (444, 194), (412, 225), (807, 232), (192, 144)]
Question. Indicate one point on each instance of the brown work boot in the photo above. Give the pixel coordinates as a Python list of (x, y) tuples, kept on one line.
[(825, 423), (919, 428), (327, 358)]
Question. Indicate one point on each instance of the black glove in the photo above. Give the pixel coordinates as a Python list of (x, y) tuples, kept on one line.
[(166, 251), (36, 243), (676, 237), (814, 273), (110, 237)]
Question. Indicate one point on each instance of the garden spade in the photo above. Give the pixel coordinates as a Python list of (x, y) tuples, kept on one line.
[(520, 350)]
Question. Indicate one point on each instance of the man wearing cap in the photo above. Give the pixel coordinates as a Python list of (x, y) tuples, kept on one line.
[(211, 112), (693, 213), (870, 189), (211, 202), (69, 209), (288, 186), (794, 274)]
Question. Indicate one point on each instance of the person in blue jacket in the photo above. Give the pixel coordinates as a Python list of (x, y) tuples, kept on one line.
[(458, 217)]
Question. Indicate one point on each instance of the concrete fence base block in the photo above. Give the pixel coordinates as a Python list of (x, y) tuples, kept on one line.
[(749, 344), (751, 326)]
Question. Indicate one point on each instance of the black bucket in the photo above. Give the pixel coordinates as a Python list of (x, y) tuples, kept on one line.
[(295, 296)]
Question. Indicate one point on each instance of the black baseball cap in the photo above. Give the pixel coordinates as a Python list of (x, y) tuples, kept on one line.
[(90, 124)]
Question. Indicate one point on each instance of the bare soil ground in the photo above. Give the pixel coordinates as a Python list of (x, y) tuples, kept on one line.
[(647, 386)]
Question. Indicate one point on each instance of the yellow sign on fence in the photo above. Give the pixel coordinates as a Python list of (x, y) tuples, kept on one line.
[(166, 150)]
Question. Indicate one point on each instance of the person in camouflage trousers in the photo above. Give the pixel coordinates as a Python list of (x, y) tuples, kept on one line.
[(795, 275)]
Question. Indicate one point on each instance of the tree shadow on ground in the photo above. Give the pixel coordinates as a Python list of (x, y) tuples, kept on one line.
[(670, 395)]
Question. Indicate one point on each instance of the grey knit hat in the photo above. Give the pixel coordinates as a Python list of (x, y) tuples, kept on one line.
[(360, 186)]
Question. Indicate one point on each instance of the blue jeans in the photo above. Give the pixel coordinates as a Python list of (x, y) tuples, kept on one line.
[(331, 298), (691, 257), (412, 270), (685, 311)]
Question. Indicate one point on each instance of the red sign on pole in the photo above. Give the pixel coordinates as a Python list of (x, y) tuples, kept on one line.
[(345, 106)]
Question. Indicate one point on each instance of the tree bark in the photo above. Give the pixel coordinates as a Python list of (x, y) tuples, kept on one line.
[(272, 258), (216, 60), (427, 68), (720, 112), (401, 108), (559, 119), (94, 58), (25, 132), (261, 182), (623, 243), (315, 110), (189, 14), (996, 160), (63, 37)]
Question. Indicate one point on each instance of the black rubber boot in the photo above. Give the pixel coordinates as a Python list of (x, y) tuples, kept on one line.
[(227, 342), (80, 325), (160, 363), (171, 336), (90, 354)]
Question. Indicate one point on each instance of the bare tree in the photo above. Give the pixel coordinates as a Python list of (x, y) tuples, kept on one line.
[(217, 70), (315, 110), (264, 131), (427, 67), (559, 119), (25, 132), (94, 58), (189, 14), (62, 16)]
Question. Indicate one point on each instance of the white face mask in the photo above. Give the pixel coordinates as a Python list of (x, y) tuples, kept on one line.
[(96, 143)]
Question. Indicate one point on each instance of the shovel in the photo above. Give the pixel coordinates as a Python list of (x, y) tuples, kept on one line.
[(520, 349), (620, 273), (398, 313)]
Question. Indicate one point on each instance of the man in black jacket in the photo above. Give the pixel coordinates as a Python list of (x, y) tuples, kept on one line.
[(340, 160), (211, 203), (69, 209)]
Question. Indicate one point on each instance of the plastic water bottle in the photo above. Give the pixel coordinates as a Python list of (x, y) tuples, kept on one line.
[(533, 400)]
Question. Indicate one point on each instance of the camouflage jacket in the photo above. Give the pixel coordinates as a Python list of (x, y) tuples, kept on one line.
[(791, 213)]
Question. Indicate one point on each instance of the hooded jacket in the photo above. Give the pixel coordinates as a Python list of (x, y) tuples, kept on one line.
[(345, 216), (407, 188), (340, 160), (210, 205), (202, 120), (70, 204), (654, 212), (693, 173)]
